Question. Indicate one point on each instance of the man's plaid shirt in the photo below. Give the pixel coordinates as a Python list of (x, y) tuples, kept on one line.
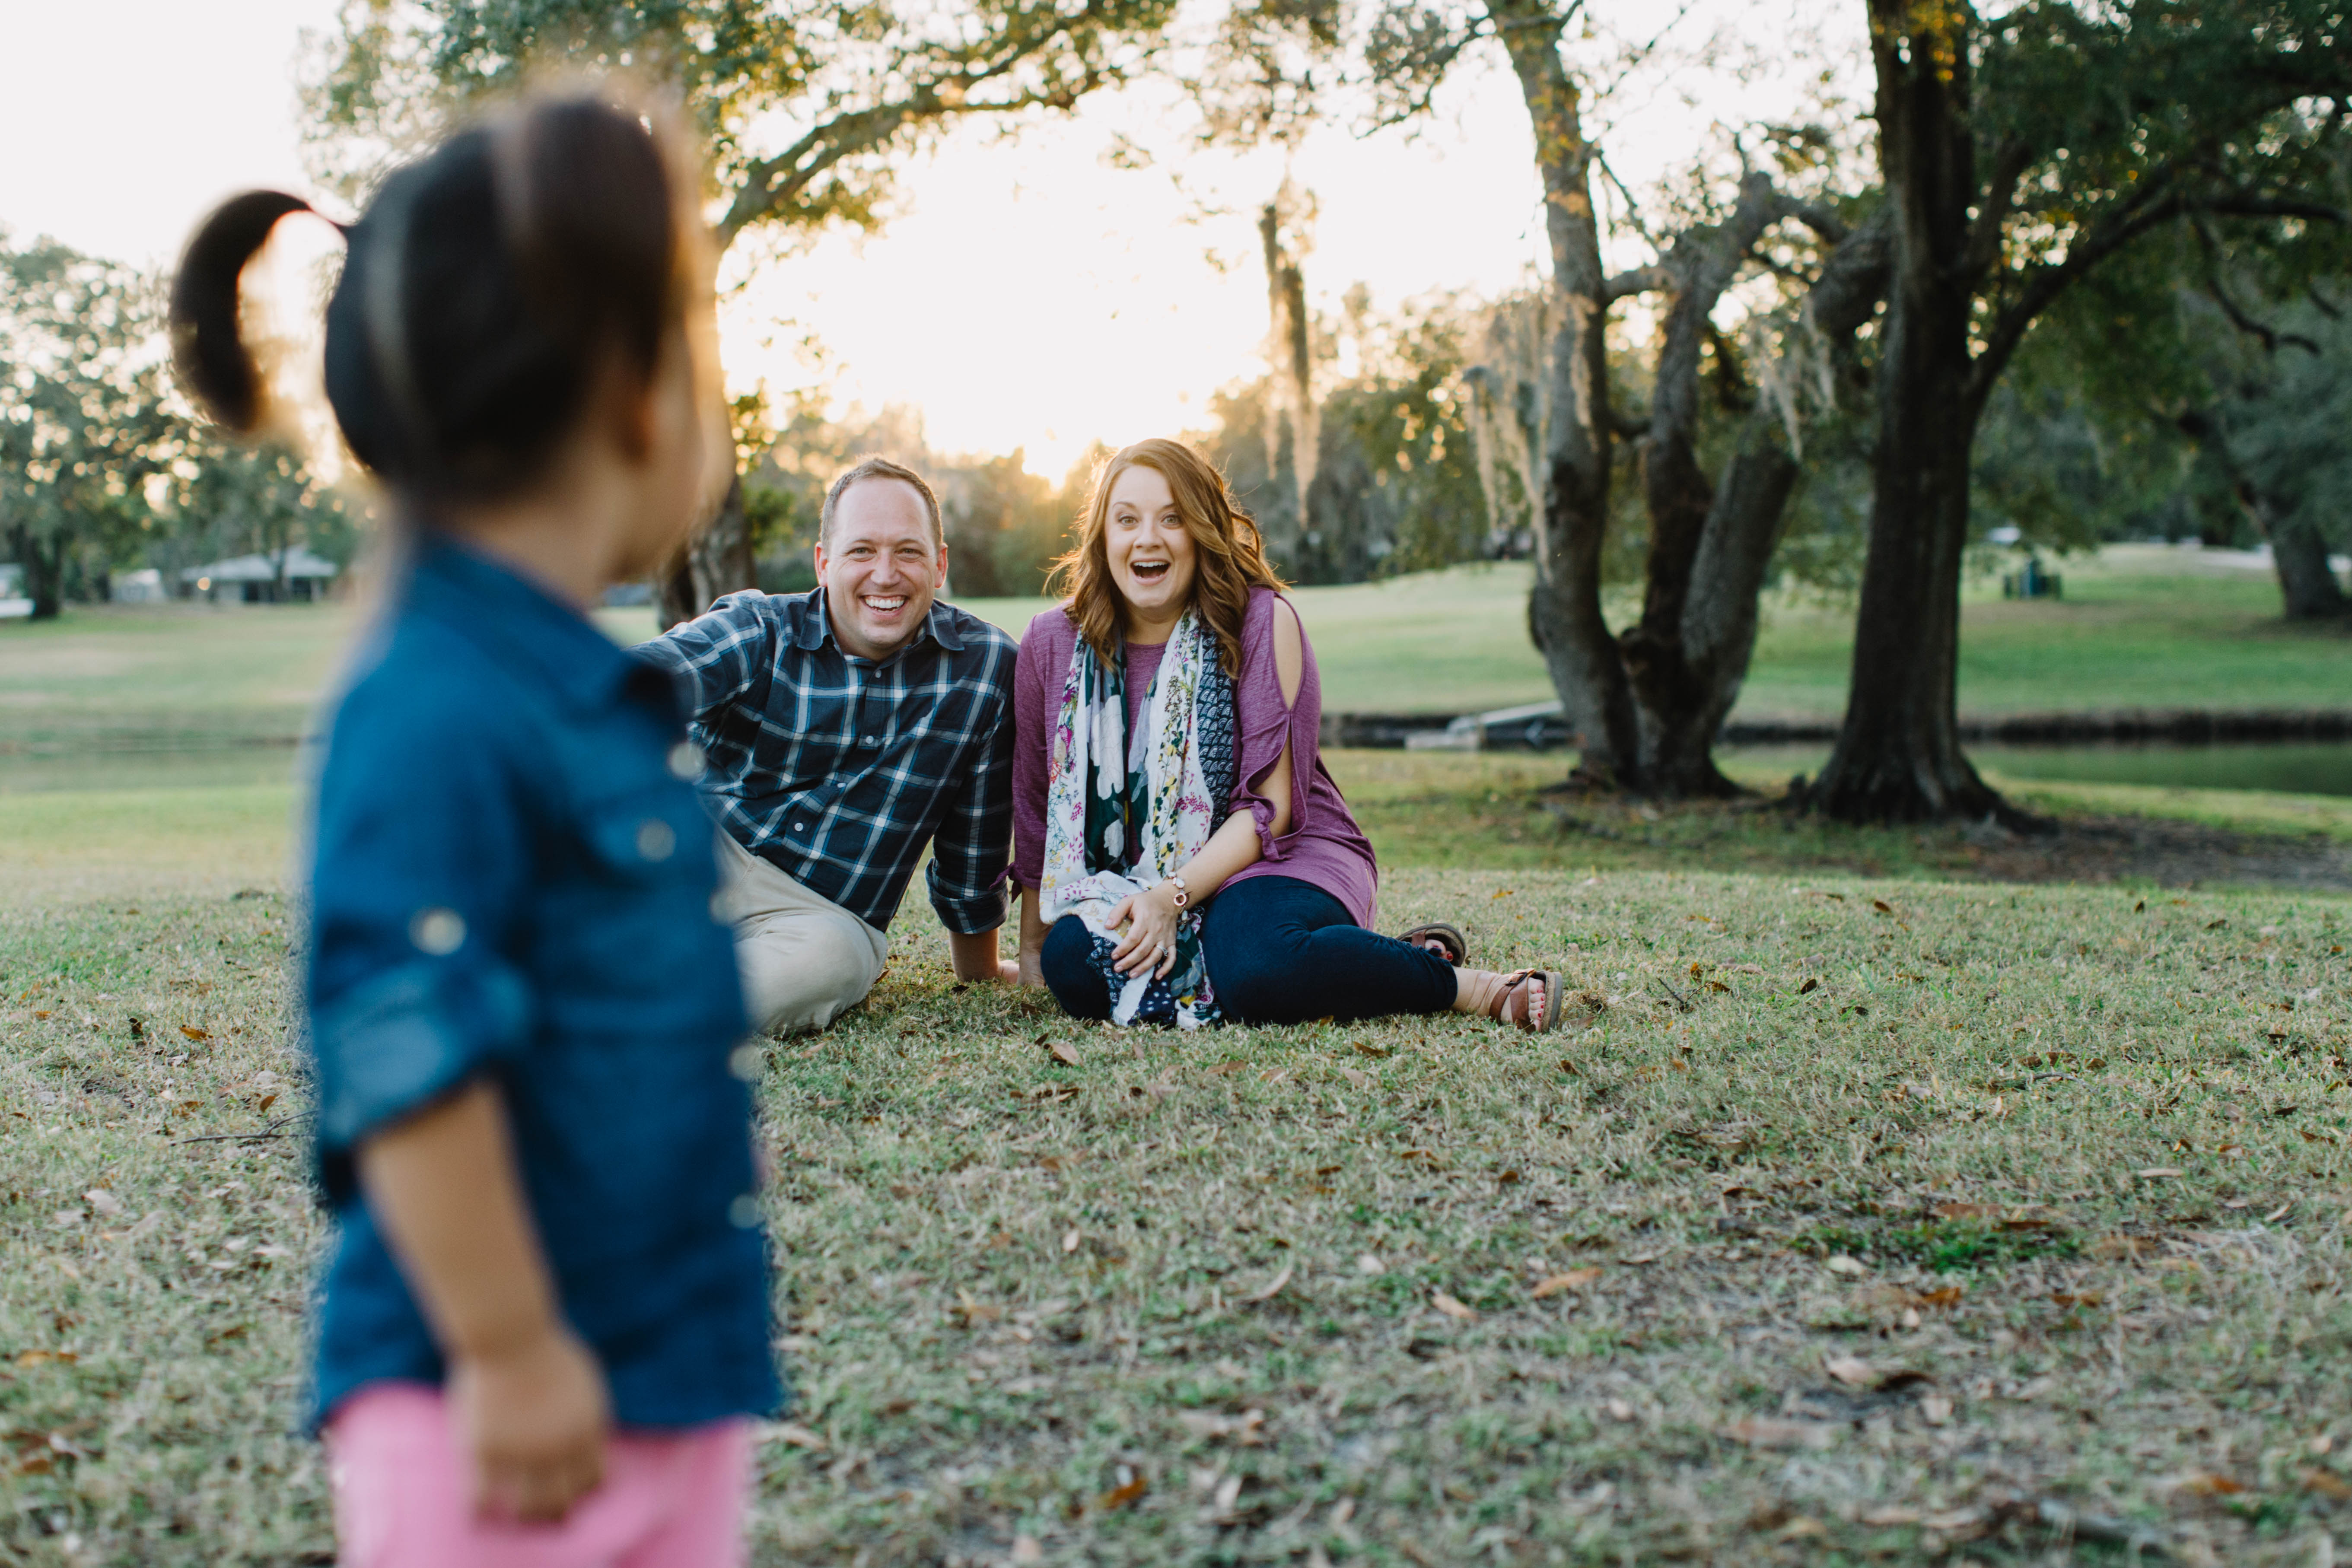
[(838, 770)]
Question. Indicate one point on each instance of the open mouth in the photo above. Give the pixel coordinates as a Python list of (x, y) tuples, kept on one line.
[(884, 604), (1147, 572)]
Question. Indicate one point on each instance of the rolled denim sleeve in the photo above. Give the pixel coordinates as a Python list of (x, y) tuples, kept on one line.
[(717, 656), (973, 847), (418, 887)]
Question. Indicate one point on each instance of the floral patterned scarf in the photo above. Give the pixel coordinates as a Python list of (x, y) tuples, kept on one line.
[(1163, 791)]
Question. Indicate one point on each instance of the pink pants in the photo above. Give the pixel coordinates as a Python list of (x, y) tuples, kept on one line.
[(672, 1501)]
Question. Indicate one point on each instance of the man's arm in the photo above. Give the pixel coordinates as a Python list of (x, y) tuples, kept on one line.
[(717, 656), (973, 848)]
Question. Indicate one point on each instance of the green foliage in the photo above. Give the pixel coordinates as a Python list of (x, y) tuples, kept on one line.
[(83, 421), (805, 105), (1396, 481), (1005, 526)]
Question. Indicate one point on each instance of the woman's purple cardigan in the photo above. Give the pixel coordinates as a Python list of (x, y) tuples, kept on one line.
[(1324, 847)]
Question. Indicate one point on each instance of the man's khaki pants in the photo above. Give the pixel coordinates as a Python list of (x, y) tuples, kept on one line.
[(805, 960)]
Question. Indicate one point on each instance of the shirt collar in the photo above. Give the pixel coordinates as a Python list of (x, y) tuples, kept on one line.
[(813, 628), (562, 648)]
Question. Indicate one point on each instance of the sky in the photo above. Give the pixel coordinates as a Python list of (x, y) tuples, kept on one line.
[(1024, 295)]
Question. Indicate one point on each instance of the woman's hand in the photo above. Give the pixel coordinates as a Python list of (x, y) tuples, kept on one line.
[(532, 1419), (1150, 944)]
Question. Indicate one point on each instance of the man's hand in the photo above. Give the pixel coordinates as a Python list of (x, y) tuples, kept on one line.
[(532, 1420)]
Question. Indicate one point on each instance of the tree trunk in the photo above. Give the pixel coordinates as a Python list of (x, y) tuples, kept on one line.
[(1711, 546), (2306, 580), (44, 574), (715, 561), (1898, 754), (1564, 610)]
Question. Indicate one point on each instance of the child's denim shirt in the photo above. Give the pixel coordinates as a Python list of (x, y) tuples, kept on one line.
[(514, 879)]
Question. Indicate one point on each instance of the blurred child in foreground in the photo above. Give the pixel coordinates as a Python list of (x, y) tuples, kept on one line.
[(545, 1323)]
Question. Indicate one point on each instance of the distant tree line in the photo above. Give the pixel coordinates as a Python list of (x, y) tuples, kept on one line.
[(103, 467)]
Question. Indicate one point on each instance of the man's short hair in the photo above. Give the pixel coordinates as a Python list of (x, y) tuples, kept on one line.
[(874, 466)]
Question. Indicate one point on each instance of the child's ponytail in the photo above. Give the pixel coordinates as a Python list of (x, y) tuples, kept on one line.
[(485, 286), (207, 345)]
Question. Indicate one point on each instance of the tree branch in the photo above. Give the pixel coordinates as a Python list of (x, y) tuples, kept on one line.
[(1637, 281)]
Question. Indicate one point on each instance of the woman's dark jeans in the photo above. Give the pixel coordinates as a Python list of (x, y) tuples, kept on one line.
[(1279, 950)]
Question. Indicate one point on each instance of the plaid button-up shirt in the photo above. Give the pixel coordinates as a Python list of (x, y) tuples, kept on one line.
[(838, 770)]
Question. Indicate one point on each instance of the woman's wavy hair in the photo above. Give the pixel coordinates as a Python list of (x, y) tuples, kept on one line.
[(1228, 551), (484, 288)]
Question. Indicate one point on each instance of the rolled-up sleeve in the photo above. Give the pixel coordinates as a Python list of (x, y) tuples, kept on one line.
[(717, 656), (420, 876), (974, 844)]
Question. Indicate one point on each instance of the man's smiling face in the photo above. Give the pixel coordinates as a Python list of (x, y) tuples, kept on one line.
[(879, 565)]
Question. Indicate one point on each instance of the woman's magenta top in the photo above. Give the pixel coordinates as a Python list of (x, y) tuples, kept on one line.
[(1324, 847)]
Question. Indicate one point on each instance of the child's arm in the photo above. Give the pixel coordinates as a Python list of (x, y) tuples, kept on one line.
[(528, 1396)]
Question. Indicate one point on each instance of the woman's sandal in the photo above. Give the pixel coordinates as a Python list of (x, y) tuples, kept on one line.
[(1457, 947), (1543, 1009)]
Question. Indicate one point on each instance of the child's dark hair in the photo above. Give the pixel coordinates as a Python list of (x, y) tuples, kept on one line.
[(486, 286)]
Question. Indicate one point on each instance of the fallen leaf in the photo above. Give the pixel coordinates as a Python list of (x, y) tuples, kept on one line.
[(1884, 1517), (1371, 1050), (1882, 906), (1852, 1371), (45, 1013), (1934, 1409), (2327, 1483), (1227, 1069), (1065, 1052), (1271, 1288), (1574, 1280), (1452, 1307), (2206, 1484), (1070, 1239), (1801, 1529), (2077, 1298), (1618, 1410), (1965, 1211), (798, 1437), (102, 1202), (43, 1358), (1506, 1178), (1811, 984), (1248, 1428), (1773, 1432), (975, 1313), (267, 1101), (1840, 1263), (1368, 1263), (193, 1033), (2158, 1173), (1122, 1495)]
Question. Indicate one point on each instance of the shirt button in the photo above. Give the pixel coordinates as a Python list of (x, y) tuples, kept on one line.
[(800, 827), (866, 741), (656, 838), (437, 932), (744, 1212)]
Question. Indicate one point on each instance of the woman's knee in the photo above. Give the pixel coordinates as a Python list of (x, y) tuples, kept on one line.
[(1067, 960)]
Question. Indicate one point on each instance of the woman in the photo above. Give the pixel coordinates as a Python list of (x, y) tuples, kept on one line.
[(1208, 869)]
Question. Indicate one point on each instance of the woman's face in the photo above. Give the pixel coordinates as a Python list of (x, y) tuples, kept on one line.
[(1150, 554)]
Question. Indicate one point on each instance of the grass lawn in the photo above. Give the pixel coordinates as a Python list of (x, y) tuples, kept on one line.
[(215, 694), (1867, 1215)]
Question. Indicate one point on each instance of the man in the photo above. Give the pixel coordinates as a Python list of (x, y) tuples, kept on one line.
[(841, 730)]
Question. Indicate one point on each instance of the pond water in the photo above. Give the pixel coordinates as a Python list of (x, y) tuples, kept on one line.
[(2323, 767)]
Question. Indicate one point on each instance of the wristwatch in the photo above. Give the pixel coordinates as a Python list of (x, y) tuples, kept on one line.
[(1183, 893)]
